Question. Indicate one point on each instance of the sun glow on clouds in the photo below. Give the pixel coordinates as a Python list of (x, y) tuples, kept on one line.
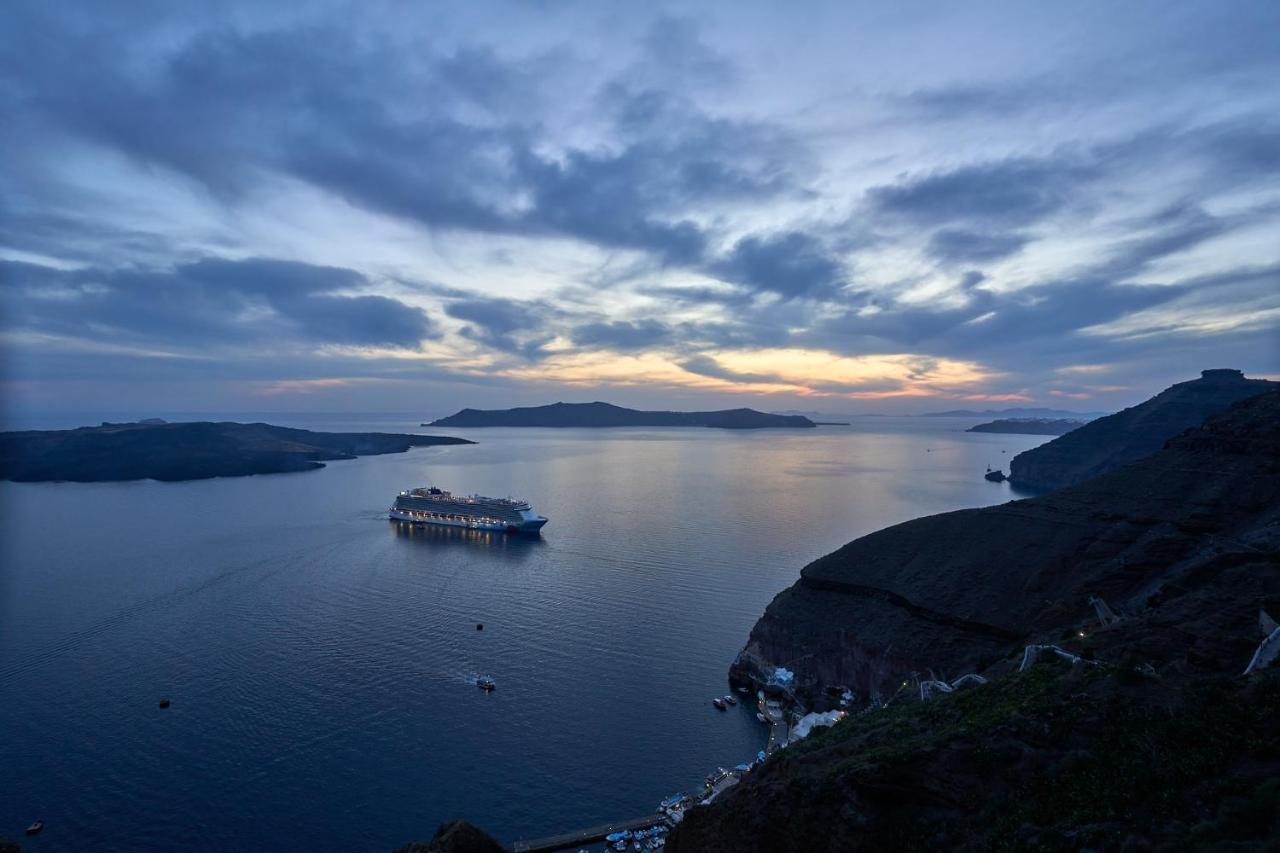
[(301, 386), (800, 372), (819, 372)]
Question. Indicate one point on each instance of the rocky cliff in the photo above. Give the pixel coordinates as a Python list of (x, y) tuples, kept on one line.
[(1107, 443), (1154, 740), (457, 836), (951, 592)]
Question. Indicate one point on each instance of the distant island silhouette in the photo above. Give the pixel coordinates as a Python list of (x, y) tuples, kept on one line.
[(155, 450), (608, 415), (1029, 426)]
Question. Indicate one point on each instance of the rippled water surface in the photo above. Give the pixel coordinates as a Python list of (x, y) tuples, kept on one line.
[(318, 656)]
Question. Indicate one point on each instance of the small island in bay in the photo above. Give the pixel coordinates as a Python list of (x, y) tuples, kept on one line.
[(607, 415), (155, 450), (1029, 426)]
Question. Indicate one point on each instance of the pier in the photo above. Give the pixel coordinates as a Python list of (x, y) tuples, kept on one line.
[(776, 718), (586, 836)]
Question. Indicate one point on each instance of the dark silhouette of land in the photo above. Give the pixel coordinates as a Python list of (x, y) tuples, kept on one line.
[(187, 451), (607, 415), (1161, 577), (1029, 426), (1129, 435)]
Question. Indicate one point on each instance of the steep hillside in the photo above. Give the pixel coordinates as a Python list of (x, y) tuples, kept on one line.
[(1155, 741), (950, 592), (1108, 443)]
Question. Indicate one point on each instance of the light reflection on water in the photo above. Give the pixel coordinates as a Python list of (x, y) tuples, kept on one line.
[(318, 655)]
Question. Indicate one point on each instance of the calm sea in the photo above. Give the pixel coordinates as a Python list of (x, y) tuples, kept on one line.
[(319, 658)]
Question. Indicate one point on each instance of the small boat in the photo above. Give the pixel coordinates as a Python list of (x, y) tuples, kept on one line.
[(760, 716), (486, 683), (719, 703), (744, 689), (730, 699), (35, 828)]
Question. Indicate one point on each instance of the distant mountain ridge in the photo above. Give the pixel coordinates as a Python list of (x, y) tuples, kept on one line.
[(1127, 436), (600, 414), (155, 450), (1029, 426), (1014, 413)]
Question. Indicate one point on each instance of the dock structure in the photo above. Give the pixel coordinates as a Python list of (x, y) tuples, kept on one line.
[(586, 836), (779, 730), (721, 785), (779, 736)]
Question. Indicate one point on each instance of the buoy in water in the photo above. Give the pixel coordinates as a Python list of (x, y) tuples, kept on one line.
[(164, 703)]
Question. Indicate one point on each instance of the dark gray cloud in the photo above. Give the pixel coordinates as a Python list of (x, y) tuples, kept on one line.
[(226, 107), (705, 365), (679, 54), (1022, 331), (697, 294), (622, 334), (1175, 229), (508, 325), (791, 265), (986, 102), (1010, 193), (210, 302), (956, 245)]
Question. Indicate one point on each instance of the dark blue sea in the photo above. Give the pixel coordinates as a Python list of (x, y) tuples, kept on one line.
[(319, 658)]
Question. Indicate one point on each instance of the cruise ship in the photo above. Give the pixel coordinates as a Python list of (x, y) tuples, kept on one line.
[(436, 506)]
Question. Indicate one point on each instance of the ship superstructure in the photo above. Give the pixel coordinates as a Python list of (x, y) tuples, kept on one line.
[(432, 505)]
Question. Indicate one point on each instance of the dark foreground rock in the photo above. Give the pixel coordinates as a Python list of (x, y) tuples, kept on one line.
[(457, 836), (1155, 740), (953, 592), (1057, 758), (1108, 443), (186, 451), (1160, 579), (608, 415)]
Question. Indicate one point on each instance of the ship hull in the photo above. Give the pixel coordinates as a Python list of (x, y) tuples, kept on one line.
[(531, 527)]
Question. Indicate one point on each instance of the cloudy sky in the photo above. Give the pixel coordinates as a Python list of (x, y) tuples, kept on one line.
[(840, 207)]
